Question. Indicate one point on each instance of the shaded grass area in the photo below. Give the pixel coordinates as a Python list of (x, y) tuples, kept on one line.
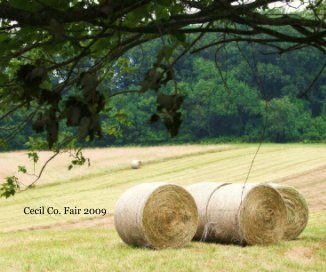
[(100, 249)]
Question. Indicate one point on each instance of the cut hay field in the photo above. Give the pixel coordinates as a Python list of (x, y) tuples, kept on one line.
[(90, 243)]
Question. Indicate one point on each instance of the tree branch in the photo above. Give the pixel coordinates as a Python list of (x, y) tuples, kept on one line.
[(305, 92)]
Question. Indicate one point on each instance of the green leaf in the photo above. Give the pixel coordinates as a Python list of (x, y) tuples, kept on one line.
[(9, 188), (180, 37), (162, 14), (22, 169), (33, 156), (46, 85), (3, 78), (165, 3)]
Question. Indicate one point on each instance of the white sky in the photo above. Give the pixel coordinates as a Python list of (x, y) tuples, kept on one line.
[(292, 6)]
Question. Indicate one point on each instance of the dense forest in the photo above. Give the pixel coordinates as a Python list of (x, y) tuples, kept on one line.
[(239, 92)]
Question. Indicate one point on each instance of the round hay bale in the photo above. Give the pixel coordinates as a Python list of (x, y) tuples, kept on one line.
[(135, 164), (156, 215), (297, 210), (250, 214), (202, 193)]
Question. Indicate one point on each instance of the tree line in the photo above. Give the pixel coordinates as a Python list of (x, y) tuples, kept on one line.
[(241, 92)]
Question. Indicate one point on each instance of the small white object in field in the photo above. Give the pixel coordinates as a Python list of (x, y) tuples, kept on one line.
[(135, 164)]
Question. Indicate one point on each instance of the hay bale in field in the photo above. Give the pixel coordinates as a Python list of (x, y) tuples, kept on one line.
[(156, 215), (135, 164), (202, 193), (297, 210), (234, 213)]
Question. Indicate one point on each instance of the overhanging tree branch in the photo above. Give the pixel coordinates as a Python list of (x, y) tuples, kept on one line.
[(53, 56)]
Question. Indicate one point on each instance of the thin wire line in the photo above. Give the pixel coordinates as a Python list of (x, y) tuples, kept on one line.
[(263, 94)]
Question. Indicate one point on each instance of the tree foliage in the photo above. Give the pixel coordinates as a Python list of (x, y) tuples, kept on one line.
[(56, 54), (57, 58)]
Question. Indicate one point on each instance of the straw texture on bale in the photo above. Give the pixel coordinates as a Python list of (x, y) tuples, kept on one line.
[(135, 164), (156, 215), (297, 210), (234, 213), (202, 193)]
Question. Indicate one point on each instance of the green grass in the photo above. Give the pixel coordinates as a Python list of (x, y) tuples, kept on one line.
[(100, 249)]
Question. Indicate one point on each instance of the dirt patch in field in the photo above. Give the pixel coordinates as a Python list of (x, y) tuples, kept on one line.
[(312, 184), (300, 254)]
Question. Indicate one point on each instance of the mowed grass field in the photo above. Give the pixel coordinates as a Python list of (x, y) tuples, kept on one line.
[(89, 243)]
